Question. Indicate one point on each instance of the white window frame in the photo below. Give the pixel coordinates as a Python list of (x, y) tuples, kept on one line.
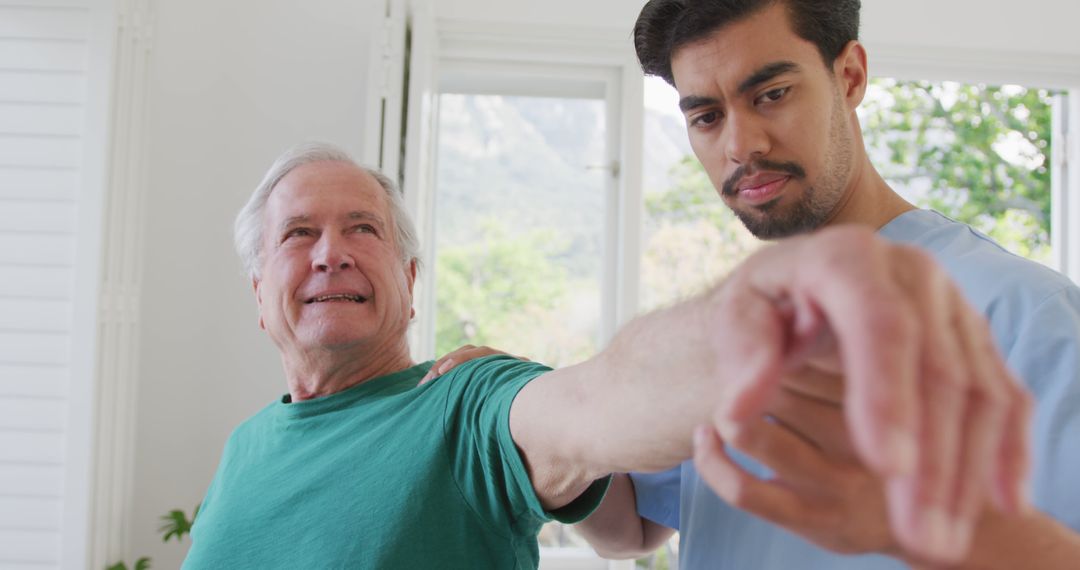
[(466, 57), (1002, 68), (440, 44)]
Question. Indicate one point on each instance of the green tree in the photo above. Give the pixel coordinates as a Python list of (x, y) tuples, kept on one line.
[(510, 290), (979, 154), (693, 238)]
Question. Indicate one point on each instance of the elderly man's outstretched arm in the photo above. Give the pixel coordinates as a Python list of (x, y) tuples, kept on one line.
[(930, 403)]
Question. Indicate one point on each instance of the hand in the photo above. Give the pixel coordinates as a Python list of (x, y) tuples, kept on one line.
[(460, 356), (819, 490), (822, 492), (929, 402)]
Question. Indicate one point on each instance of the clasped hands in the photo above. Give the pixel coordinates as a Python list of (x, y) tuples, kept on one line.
[(855, 370), (928, 425)]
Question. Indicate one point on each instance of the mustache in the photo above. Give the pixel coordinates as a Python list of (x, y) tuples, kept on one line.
[(756, 166)]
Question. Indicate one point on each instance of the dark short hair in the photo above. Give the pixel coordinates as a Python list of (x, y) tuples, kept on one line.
[(666, 25)]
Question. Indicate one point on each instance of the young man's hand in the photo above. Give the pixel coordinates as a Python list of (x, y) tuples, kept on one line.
[(930, 405), (460, 356)]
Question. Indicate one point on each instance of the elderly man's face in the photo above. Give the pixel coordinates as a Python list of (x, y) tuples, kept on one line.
[(769, 122), (331, 273)]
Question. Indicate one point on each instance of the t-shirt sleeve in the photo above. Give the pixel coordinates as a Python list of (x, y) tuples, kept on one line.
[(657, 496), (483, 457), (1046, 355)]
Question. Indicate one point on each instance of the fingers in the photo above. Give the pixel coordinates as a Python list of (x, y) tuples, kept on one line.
[(1012, 485), (460, 356), (925, 393), (812, 382), (792, 458), (926, 522), (983, 423), (993, 397), (847, 274), (753, 358), (819, 422), (434, 372), (742, 490)]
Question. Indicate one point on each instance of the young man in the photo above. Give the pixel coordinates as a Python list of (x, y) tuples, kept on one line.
[(769, 90)]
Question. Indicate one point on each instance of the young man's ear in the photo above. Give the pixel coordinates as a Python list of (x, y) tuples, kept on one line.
[(258, 300), (850, 71)]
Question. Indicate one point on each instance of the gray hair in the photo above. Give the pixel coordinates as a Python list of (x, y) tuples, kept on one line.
[(249, 223)]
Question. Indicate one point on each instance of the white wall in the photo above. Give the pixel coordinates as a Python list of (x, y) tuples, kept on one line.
[(233, 84), (1034, 26)]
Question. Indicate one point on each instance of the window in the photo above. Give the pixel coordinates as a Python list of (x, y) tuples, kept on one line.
[(546, 226), (519, 201), (690, 239), (977, 153), (523, 198)]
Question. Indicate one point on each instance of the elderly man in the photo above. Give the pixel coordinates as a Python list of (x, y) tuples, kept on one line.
[(358, 466), (769, 91)]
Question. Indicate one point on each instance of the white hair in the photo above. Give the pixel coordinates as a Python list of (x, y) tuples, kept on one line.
[(248, 233)]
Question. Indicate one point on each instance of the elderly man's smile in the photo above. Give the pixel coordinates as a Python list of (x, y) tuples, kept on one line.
[(337, 298)]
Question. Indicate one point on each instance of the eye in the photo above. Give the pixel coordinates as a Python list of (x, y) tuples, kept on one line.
[(773, 95), (365, 229), (297, 233), (705, 119)]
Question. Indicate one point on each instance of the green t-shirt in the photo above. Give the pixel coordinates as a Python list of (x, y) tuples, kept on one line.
[(385, 474)]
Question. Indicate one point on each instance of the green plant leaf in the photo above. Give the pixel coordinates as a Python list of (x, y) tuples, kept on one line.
[(142, 564), (175, 524)]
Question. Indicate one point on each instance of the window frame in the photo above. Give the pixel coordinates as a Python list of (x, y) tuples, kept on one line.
[(473, 58), (1003, 68), (439, 44)]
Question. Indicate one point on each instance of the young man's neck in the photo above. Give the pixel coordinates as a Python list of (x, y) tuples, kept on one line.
[(869, 201)]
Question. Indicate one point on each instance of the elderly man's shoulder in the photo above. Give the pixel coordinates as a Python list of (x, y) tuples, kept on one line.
[(496, 374)]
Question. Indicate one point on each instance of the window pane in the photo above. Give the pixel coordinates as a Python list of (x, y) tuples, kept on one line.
[(976, 153), (519, 225), (689, 238), (519, 231)]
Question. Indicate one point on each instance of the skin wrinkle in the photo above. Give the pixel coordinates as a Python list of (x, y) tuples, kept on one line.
[(327, 347)]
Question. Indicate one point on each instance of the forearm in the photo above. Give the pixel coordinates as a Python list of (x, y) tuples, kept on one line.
[(634, 406), (1005, 542), (615, 530)]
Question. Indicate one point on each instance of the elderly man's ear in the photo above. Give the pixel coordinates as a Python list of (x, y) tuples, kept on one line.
[(258, 300), (412, 281)]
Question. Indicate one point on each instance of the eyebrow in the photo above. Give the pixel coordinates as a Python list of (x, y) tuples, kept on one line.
[(292, 221), (368, 217), (756, 78), (767, 73), (691, 102), (356, 215)]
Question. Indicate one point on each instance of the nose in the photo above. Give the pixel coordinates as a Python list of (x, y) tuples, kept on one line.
[(746, 140), (330, 254)]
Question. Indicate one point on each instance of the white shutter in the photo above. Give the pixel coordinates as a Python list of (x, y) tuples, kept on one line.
[(43, 61)]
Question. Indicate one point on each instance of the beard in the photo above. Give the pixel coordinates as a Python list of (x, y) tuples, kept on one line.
[(818, 203)]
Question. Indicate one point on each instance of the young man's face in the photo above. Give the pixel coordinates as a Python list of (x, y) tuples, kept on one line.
[(771, 124)]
